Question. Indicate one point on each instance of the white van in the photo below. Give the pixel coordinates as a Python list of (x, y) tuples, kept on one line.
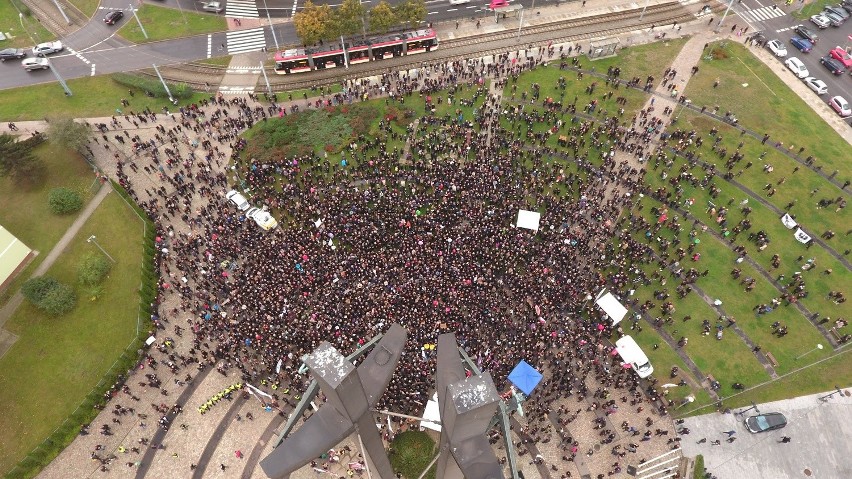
[(632, 354)]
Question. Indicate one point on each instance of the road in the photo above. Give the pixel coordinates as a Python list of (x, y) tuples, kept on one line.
[(95, 48), (777, 24)]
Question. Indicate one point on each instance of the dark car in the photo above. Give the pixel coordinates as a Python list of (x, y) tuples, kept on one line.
[(766, 422), (12, 54), (113, 17), (807, 33), (832, 65), (802, 44)]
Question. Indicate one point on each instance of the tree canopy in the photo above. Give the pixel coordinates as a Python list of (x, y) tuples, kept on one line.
[(66, 132), (17, 159), (314, 23), (382, 17)]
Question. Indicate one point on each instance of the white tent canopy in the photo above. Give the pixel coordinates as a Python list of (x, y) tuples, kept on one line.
[(611, 306), (528, 219)]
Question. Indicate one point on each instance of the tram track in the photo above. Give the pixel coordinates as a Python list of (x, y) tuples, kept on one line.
[(199, 76)]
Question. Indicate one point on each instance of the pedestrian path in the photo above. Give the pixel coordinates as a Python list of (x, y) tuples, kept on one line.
[(763, 13), (241, 9), (244, 41)]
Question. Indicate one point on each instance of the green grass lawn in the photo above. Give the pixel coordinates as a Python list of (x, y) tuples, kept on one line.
[(88, 7), (93, 97), (222, 61), (21, 203), (811, 7), (163, 23), (29, 34), (57, 361), (772, 107)]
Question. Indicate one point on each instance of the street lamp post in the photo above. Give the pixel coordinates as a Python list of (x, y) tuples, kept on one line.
[(687, 400), (21, 17), (133, 10), (92, 239), (818, 346), (719, 25), (829, 396)]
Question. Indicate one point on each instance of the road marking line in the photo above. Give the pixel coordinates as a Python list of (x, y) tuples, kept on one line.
[(93, 69), (209, 46)]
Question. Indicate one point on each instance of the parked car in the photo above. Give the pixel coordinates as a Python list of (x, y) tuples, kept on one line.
[(777, 48), (820, 20), (765, 422), (214, 7), (12, 54), (840, 105), (802, 44), (834, 19), (818, 86), (262, 218), (37, 63), (238, 200), (807, 33), (838, 10), (797, 67), (43, 49), (832, 65), (113, 17), (842, 56)]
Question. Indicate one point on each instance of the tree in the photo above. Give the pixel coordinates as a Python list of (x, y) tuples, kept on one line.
[(64, 200), (412, 12), (314, 23), (382, 17), (17, 160), (93, 269), (49, 295), (350, 17), (66, 132)]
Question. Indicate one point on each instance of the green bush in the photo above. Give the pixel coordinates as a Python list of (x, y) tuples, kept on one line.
[(410, 453), (153, 86), (93, 269), (64, 200), (49, 295)]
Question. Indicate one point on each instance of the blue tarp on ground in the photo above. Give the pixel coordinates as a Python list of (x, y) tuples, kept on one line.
[(525, 377)]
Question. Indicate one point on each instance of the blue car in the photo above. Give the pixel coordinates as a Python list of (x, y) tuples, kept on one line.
[(802, 44)]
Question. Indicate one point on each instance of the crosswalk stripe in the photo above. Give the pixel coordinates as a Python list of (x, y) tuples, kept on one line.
[(241, 41), (764, 13), (241, 9)]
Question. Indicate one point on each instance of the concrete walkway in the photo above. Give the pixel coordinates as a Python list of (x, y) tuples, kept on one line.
[(7, 339), (815, 449)]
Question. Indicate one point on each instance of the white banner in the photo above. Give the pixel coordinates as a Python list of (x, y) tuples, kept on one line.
[(801, 236), (788, 221), (258, 391)]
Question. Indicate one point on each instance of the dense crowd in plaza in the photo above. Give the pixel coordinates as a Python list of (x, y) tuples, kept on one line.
[(425, 238)]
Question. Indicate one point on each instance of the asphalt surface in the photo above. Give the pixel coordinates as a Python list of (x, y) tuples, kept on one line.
[(778, 24)]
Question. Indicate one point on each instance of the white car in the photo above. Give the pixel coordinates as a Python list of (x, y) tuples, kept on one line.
[(840, 105), (262, 218), (214, 7), (797, 67), (777, 48), (238, 200), (818, 86), (820, 20), (37, 63), (47, 48), (458, 2)]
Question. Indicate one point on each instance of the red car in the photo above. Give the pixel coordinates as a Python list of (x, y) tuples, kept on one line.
[(842, 56)]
